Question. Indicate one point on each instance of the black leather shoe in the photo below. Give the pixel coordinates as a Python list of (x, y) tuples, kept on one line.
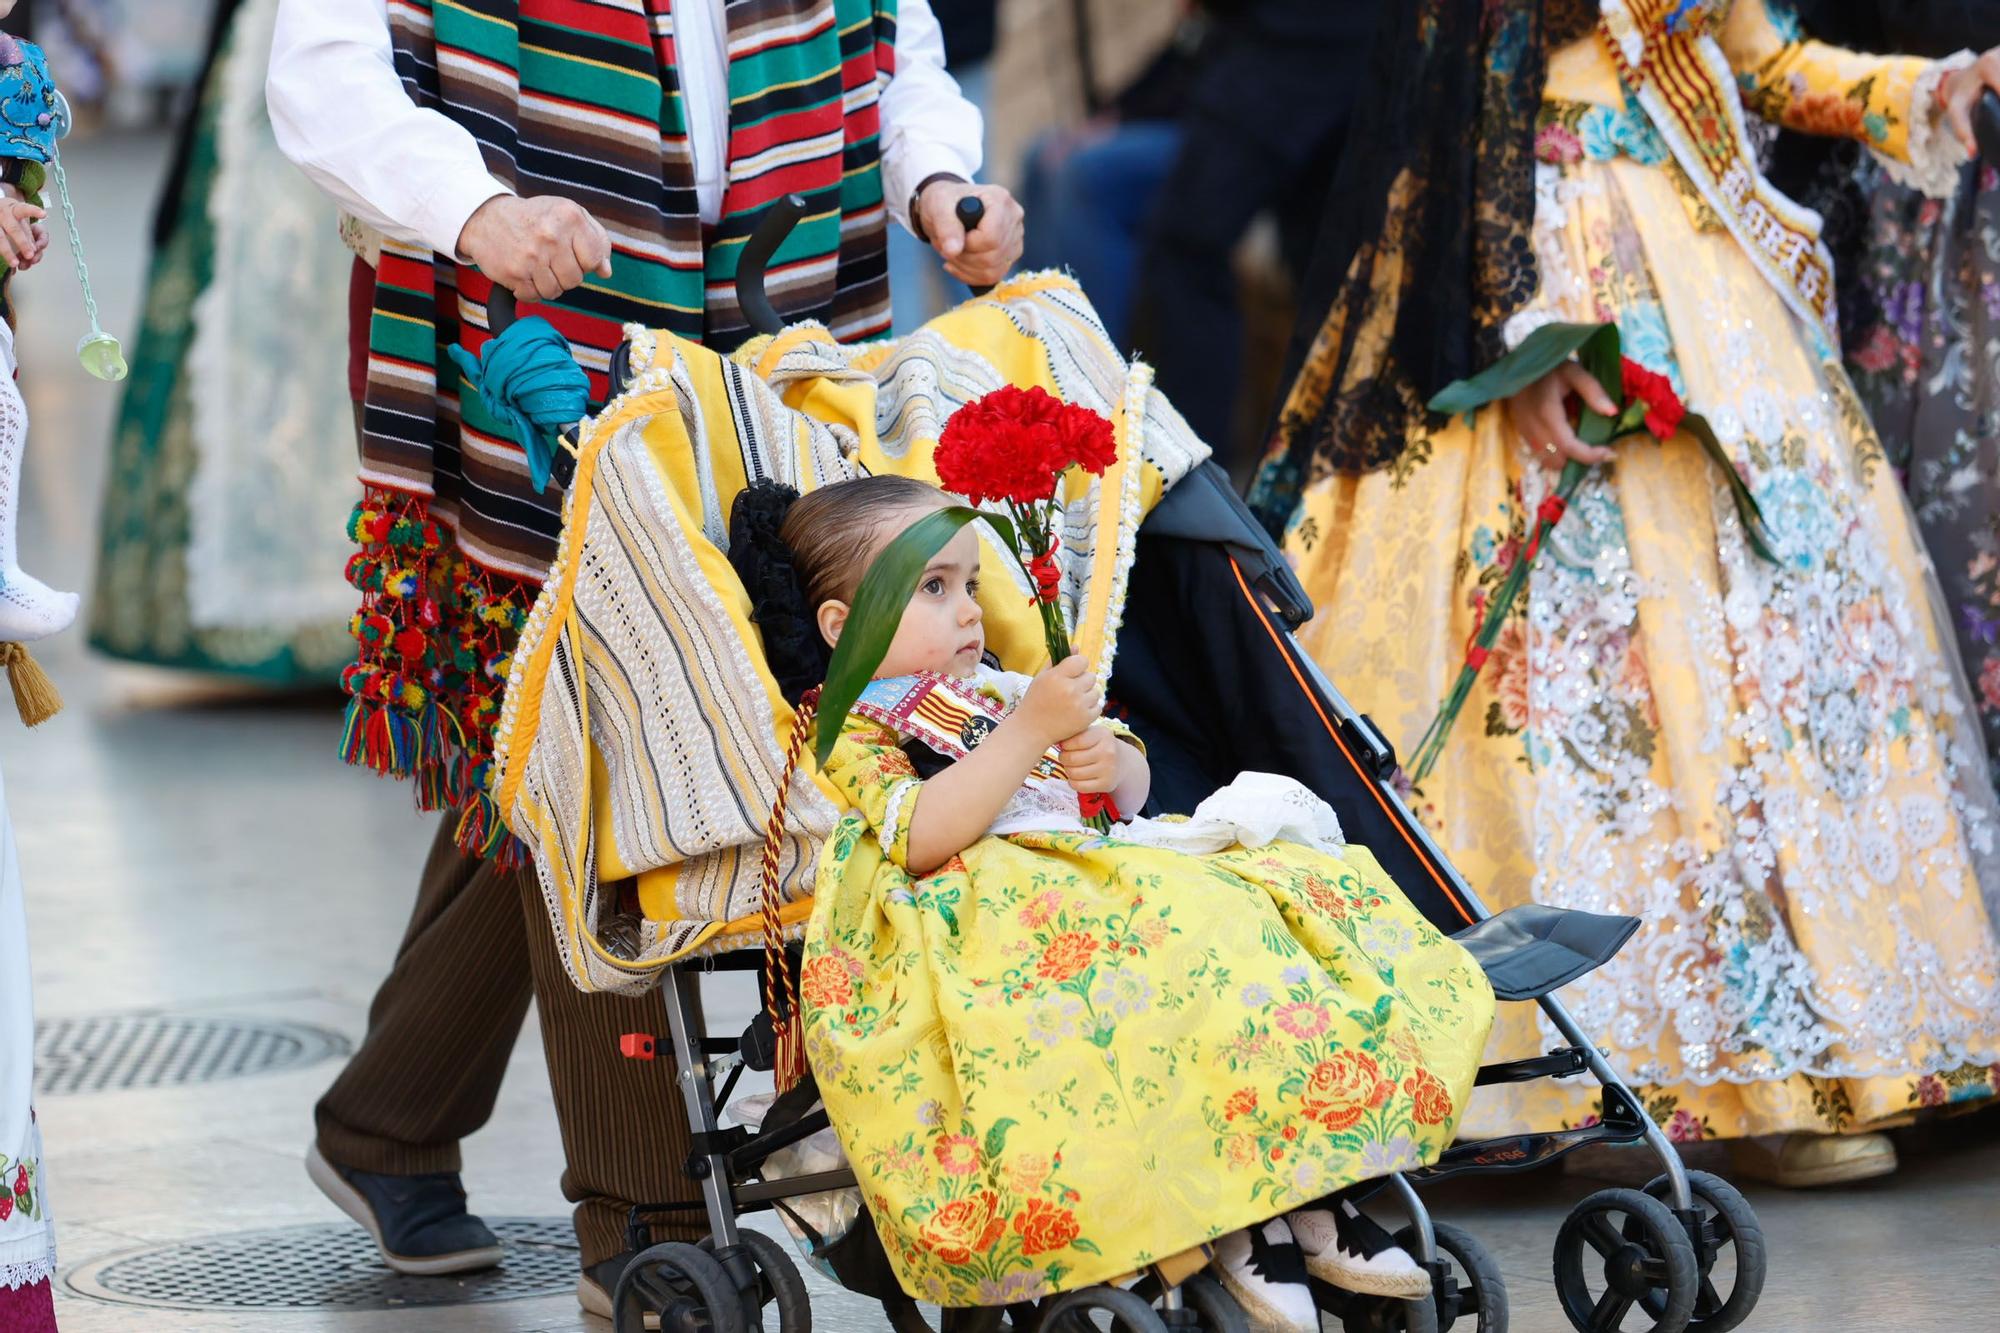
[(599, 1283), (419, 1222)]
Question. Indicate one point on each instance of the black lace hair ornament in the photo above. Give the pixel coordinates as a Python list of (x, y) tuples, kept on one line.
[(793, 649)]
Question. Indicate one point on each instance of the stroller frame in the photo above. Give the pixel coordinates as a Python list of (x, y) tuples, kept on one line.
[(1674, 1231), (724, 1158)]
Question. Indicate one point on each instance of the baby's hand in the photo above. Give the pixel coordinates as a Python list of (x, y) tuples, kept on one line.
[(1062, 701), (1090, 758), (22, 237)]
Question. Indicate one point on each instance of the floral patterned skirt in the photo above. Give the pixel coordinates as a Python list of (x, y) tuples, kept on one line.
[(1063, 1056), (1928, 367), (1770, 765)]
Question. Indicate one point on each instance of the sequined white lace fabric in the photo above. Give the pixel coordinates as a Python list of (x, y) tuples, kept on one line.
[(1844, 788)]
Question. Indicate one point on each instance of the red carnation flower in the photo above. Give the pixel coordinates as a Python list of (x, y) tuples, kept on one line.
[(1013, 444), (1087, 441), (1664, 409)]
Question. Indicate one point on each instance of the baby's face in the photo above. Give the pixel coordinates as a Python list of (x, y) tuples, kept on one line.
[(941, 630), (6, 8)]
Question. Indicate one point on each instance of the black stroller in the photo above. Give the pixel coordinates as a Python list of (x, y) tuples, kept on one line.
[(1210, 678)]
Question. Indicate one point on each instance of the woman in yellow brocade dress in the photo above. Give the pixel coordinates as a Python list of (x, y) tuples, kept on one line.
[(1769, 763)]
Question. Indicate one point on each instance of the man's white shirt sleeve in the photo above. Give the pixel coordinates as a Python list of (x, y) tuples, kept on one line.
[(927, 125), (341, 113)]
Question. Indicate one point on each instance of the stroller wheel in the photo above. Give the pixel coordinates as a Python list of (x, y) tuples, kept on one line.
[(1212, 1308), (1101, 1310), (682, 1284), (1470, 1288), (779, 1287), (1640, 1250), (1729, 1252)]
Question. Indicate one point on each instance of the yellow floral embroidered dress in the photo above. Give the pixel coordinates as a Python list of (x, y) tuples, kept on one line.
[(1769, 765), (1061, 1056)]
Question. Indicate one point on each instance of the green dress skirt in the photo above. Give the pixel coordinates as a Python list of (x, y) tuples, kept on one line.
[(221, 549)]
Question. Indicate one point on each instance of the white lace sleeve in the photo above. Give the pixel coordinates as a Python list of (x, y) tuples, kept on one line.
[(893, 816), (1936, 155), (1551, 261)]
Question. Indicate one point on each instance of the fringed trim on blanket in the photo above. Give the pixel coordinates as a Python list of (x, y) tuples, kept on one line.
[(435, 636)]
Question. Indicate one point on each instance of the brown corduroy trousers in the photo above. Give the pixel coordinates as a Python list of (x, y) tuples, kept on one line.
[(443, 1025)]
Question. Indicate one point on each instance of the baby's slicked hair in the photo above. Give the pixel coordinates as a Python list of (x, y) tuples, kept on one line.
[(832, 531)]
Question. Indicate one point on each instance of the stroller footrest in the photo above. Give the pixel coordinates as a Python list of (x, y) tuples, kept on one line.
[(1530, 950), (1556, 1064), (764, 1192)]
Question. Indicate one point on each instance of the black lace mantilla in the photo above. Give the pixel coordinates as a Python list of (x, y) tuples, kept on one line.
[(1426, 246)]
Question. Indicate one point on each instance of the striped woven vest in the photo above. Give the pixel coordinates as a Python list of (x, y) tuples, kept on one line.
[(581, 99)]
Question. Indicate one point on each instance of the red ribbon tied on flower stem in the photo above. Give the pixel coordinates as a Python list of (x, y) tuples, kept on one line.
[(1045, 572), (1547, 515)]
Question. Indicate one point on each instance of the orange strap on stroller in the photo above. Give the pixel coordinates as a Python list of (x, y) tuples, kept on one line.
[(788, 1027)]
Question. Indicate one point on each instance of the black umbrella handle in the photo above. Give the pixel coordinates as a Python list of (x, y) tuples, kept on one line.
[(500, 310), (971, 210)]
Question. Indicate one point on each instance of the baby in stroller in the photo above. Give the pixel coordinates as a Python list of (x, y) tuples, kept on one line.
[(1052, 1055)]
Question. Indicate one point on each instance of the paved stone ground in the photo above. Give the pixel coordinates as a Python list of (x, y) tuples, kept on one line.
[(191, 850)]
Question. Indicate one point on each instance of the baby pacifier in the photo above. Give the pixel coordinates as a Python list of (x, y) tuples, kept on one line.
[(34, 114)]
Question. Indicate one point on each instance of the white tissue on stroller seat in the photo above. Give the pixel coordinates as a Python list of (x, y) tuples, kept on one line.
[(1253, 811), (830, 1213)]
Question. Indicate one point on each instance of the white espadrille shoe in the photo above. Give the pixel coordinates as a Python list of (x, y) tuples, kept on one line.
[(1344, 1246), (1263, 1269)]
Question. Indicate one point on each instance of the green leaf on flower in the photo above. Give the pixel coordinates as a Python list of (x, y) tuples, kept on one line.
[(1539, 353), (1748, 511), (878, 608)]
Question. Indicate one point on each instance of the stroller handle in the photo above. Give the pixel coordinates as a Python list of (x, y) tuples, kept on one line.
[(772, 229), (971, 209)]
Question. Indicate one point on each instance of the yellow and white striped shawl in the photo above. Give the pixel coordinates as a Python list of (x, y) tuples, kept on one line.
[(643, 738)]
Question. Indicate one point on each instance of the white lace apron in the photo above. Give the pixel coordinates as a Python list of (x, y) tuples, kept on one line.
[(27, 1238)]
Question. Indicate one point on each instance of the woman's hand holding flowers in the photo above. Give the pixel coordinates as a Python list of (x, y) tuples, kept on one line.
[(1540, 413)]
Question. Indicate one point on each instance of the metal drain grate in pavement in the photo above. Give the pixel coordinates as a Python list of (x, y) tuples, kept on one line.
[(114, 1051), (324, 1266)]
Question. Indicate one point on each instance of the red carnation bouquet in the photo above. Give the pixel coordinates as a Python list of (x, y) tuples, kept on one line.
[(1648, 405), (1011, 449)]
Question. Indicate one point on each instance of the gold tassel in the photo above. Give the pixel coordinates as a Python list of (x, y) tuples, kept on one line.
[(780, 990), (35, 695)]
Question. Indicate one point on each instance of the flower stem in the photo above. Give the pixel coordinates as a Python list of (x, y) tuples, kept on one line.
[(1431, 748)]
